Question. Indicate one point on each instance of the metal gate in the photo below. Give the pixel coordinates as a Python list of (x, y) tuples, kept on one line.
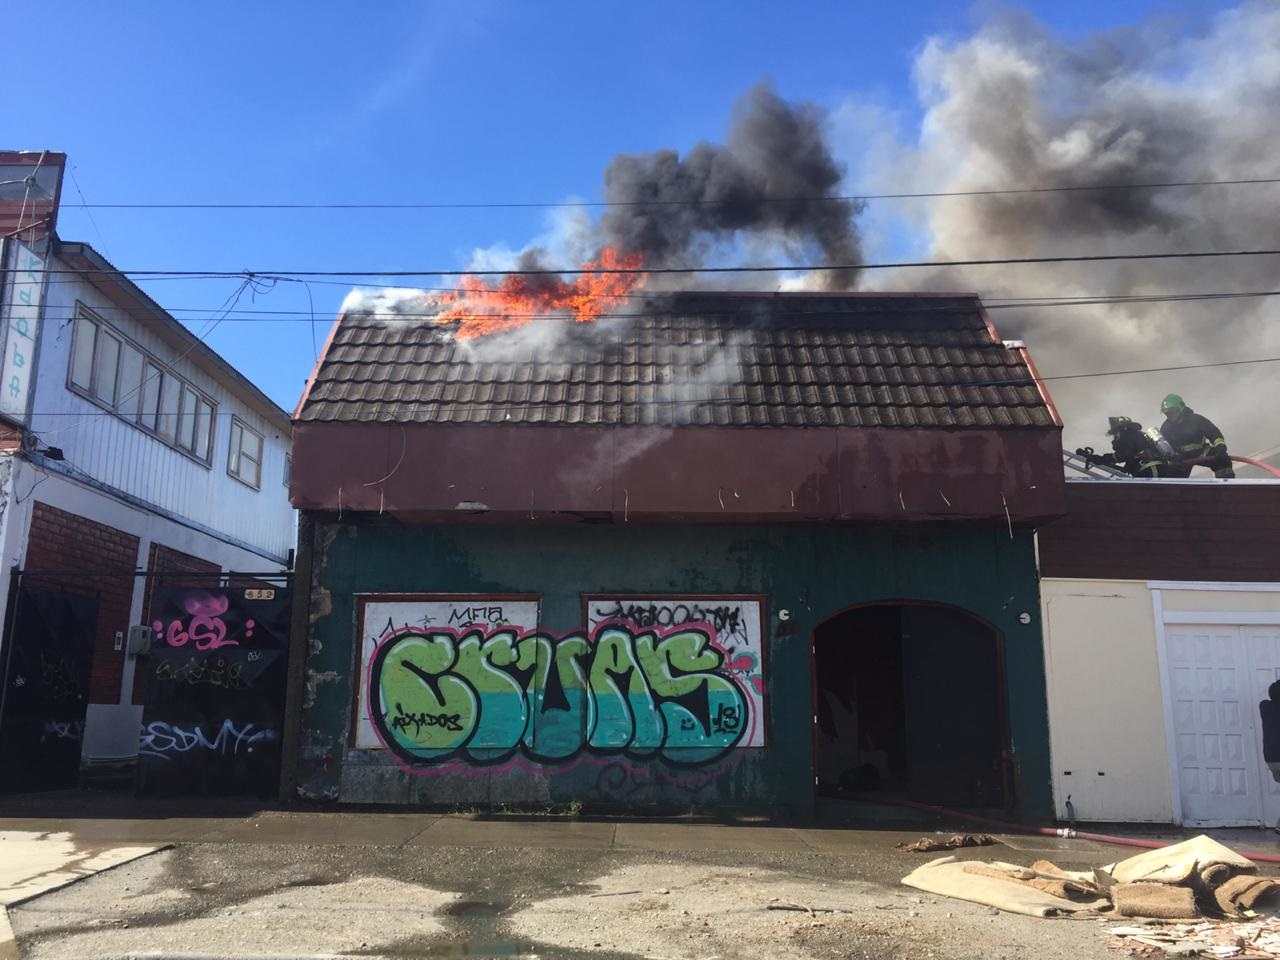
[(48, 652), (215, 659)]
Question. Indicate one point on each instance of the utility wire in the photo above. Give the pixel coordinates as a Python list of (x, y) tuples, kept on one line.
[(838, 198), (269, 275), (245, 315), (87, 210)]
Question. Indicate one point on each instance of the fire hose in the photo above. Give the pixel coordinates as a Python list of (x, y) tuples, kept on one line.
[(1274, 471), (1064, 833)]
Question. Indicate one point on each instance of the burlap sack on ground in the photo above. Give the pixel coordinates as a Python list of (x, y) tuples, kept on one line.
[(1159, 901), (1179, 863), (948, 877)]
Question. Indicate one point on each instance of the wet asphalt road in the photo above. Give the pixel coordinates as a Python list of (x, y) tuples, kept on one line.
[(281, 884)]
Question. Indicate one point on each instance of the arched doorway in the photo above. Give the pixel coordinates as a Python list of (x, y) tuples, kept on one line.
[(909, 702)]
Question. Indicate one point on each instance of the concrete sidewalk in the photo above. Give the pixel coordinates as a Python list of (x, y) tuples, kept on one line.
[(310, 828), (258, 883), (169, 824)]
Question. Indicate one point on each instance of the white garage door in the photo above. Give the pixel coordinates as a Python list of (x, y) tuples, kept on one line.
[(1217, 676)]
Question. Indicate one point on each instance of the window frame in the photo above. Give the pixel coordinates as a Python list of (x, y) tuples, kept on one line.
[(238, 452), (150, 364)]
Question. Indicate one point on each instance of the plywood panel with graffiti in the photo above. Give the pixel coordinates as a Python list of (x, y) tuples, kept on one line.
[(734, 622), (473, 681)]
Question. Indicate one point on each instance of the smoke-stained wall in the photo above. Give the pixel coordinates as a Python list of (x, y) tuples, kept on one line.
[(800, 575)]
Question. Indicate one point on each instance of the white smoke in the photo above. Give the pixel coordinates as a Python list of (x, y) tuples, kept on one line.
[(1013, 106)]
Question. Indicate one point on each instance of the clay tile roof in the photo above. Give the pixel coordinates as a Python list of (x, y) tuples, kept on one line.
[(714, 359)]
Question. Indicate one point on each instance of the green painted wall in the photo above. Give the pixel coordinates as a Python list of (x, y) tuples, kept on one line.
[(813, 572)]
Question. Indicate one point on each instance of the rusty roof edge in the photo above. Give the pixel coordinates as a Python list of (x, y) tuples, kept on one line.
[(1020, 348), (315, 370), (95, 263), (53, 158)]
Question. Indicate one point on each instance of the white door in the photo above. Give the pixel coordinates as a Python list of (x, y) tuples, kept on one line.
[(1217, 749), (1263, 645)]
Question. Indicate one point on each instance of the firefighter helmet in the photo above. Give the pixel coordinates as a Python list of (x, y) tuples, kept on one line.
[(1172, 402)]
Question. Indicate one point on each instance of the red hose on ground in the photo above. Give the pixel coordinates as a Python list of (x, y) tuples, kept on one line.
[(1065, 833), (1256, 463)]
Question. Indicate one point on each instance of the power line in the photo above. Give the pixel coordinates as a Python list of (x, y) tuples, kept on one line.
[(269, 275), (246, 315), (517, 205), (1187, 366)]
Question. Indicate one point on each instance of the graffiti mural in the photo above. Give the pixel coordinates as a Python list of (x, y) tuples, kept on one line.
[(379, 618), (735, 623), (215, 693), (163, 740), (486, 695)]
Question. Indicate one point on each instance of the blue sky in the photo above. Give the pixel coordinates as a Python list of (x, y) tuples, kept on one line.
[(398, 101)]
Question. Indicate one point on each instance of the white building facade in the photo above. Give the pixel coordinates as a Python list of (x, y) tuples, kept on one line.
[(1161, 609), (127, 446)]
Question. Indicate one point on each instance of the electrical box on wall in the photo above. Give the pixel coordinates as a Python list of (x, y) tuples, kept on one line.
[(139, 640)]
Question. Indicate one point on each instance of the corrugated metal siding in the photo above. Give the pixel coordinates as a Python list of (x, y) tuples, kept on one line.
[(124, 456), (1165, 531), (812, 572)]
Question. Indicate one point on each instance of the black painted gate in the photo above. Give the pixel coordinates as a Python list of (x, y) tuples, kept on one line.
[(48, 653), (216, 675)]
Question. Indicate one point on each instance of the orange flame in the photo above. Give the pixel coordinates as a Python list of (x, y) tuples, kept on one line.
[(481, 308)]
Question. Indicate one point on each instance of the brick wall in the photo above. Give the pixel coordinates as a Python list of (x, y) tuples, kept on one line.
[(10, 437), (63, 546), (164, 559)]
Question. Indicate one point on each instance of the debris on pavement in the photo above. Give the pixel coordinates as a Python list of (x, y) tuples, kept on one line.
[(1193, 880), (953, 842), (1249, 940), (1006, 886)]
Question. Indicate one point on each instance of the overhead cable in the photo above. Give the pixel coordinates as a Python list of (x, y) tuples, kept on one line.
[(542, 204), (269, 275)]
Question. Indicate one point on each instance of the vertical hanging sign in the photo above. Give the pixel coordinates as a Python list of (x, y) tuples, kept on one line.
[(22, 328)]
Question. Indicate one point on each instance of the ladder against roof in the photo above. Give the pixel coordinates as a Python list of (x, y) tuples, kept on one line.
[(1073, 463)]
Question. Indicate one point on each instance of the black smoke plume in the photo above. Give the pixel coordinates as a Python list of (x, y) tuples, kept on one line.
[(772, 180)]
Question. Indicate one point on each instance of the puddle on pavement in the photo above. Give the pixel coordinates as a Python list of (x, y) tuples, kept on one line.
[(477, 931)]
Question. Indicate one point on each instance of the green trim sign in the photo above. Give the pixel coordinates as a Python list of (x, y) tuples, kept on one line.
[(22, 328)]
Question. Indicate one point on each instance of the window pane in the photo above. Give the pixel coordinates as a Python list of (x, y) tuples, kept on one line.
[(82, 359), (233, 461), (204, 421), (150, 397), (170, 392), (108, 363), (187, 420), (251, 446), (130, 400), (288, 468)]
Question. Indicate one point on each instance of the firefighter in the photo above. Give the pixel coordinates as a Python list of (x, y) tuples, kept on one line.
[(1196, 441), (1133, 450)]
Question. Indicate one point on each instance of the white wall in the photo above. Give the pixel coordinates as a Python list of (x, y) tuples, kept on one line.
[(1107, 719), (128, 458), (1106, 707), (111, 730)]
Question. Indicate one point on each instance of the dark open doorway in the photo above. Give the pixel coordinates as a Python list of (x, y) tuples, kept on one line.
[(910, 703)]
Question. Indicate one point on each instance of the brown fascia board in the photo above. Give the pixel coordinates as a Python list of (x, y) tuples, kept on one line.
[(129, 295), (435, 471)]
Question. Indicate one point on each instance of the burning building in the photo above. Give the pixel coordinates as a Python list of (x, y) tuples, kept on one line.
[(711, 549)]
